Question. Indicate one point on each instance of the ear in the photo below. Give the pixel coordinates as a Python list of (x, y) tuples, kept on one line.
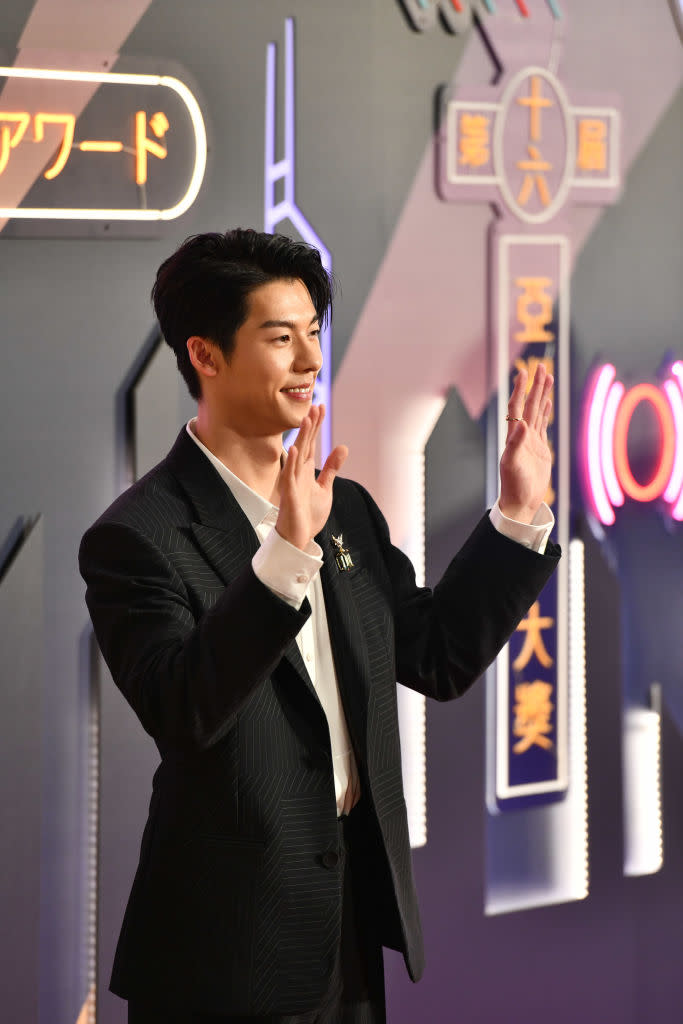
[(204, 356)]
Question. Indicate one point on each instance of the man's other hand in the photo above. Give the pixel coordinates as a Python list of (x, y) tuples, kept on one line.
[(526, 461)]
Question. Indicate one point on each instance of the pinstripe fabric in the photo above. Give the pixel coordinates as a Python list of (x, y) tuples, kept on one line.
[(236, 904)]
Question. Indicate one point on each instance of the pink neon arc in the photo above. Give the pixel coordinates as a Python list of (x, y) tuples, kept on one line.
[(596, 406), (674, 489), (675, 483), (614, 491)]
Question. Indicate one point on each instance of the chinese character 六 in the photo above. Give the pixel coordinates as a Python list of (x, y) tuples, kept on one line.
[(474, 140), (10, 139), (592, 151), (537, 163), (533, 709), (533, 641)]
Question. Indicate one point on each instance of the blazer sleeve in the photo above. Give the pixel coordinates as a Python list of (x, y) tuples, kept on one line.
[(184, 678), (446, 638)]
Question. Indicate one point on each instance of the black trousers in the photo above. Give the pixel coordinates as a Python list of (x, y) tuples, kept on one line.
[(356, 991)]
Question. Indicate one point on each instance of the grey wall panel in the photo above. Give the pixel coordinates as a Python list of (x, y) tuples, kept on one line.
[(147, 409), (128, 760), (155, 399), (21, 730)]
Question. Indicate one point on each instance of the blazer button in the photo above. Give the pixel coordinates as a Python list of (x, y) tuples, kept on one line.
[(330, 859)]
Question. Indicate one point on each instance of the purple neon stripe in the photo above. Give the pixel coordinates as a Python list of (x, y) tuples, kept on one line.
[(271, 57), (278, 170), (290, 108), (275, 213)]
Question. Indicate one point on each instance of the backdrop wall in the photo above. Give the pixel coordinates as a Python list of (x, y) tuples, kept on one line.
[(79, 354)]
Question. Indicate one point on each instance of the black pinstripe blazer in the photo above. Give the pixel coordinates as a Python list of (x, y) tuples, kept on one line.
[(236, 907)]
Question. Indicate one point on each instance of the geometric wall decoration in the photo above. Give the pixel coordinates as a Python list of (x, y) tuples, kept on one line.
[(21, 733)]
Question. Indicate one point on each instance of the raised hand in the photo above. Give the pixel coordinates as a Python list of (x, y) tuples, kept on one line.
[(305, 501), (526, 461)]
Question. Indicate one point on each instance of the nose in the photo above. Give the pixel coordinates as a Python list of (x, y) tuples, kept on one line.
[(308, 356)]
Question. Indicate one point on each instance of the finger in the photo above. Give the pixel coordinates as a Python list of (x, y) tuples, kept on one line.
[(516, 403), (533, 399), (333, 463), (546, 419), (289, 468), (545, 398), (305, 445), (317, 423), (302, 433)]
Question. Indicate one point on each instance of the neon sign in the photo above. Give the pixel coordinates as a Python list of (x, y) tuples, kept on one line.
[(524, 146), (608, 412), (148, 108), (567, 149)]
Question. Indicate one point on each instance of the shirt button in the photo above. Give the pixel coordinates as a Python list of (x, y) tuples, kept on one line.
[(302, 578), (309, 657)]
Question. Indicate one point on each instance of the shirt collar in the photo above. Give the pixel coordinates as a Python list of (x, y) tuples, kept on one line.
[(257, 509)]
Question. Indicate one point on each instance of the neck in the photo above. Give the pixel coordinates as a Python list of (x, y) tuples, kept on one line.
[(255, 460)]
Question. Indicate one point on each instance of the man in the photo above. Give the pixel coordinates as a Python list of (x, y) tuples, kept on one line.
[(256, 616)]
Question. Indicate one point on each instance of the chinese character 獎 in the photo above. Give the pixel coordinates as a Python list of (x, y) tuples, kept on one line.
[(533, 709)]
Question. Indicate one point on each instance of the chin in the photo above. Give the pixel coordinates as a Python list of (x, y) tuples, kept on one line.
[(294, 418)]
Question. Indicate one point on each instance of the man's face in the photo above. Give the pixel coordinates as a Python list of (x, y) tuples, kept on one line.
[(266, 385)]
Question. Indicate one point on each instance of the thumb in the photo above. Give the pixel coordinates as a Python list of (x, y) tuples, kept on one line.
[(333, 463)]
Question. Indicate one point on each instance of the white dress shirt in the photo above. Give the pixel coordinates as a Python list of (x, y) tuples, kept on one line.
[(294, 574)]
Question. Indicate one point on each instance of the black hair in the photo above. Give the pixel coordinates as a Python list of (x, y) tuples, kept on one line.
[(204, 287)]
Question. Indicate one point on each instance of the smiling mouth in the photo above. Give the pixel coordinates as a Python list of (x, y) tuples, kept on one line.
[(306, 390)]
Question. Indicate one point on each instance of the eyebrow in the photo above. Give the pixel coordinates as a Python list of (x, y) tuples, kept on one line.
[(285, 323)]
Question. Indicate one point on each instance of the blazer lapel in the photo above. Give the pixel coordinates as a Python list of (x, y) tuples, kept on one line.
[(221, 530), (346, 634)]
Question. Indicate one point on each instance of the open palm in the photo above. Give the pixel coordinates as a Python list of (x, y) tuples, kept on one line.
[(526, 461)]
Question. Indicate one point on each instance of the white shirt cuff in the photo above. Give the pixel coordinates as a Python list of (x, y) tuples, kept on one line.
[(533, 535), (287, 570)]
